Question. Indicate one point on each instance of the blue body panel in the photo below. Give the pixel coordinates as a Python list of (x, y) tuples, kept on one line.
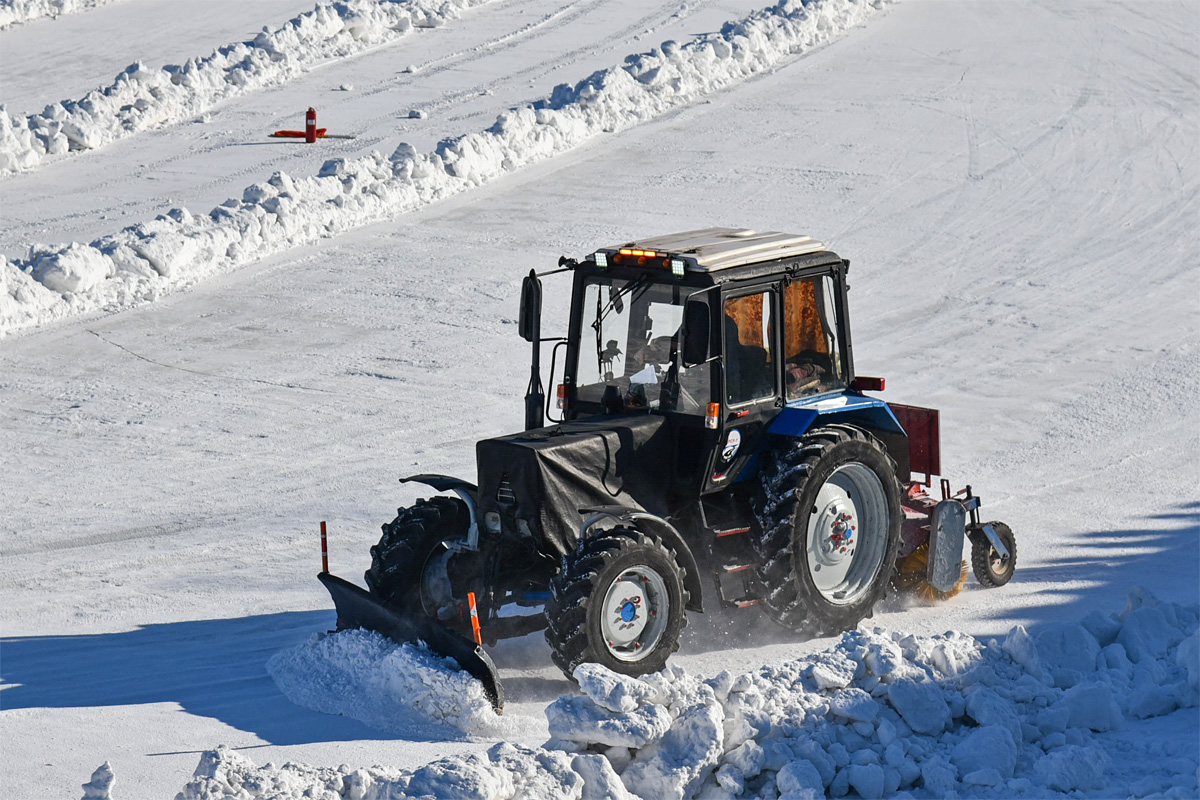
[(798, 416)]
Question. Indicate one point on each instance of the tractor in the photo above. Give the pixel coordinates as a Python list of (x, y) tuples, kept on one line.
[(709, 444)]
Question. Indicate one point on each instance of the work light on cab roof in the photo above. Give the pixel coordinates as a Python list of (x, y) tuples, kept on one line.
[(709, 442)]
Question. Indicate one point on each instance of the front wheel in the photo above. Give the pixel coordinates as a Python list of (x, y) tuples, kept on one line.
[(990, 569), (410, 565), (618, 600), (828, 528)]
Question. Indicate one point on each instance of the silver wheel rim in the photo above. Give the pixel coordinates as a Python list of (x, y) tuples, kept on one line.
[(435, 588), (847, 534), (634, 613), (996, 563)]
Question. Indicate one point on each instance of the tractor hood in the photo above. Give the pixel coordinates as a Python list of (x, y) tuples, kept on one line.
[(538, 480)]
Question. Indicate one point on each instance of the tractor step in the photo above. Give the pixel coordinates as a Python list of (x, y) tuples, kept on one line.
[(731, 531)]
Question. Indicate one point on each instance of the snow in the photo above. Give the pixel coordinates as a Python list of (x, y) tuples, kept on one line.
[(177, 248), (15, 12), (141, 97), (100, 786), (365, 676), (766, 733), (184, 396)]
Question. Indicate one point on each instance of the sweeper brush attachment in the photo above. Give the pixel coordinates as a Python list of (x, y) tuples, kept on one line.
[(358, 608), (911, 577)]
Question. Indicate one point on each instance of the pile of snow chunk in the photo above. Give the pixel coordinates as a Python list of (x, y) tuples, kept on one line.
[(878, 715), (15, 12), (388, 686), (177, 249), (505, 772), (100, 785), (141, 97)]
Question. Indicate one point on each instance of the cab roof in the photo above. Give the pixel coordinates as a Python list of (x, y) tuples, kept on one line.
[(714, 249)]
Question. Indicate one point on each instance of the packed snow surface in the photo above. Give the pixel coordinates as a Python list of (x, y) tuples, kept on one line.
[(14, 12), (145, 97), (1015, 184), (144, 261), (881, 714)]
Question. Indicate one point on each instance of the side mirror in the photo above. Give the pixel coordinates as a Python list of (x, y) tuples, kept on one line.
[(695, 334), (529, 323)]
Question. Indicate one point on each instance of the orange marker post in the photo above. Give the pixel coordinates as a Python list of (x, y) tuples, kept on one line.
[(474, 619), (324, 550)]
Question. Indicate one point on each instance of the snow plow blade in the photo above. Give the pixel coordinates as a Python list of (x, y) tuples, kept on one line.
[(358, 608)]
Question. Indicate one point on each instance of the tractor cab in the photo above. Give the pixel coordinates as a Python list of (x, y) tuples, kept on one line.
[(715, 331)]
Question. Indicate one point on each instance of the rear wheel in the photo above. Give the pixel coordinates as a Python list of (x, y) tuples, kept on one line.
[(828, 529), (618, 600), (990, 569)]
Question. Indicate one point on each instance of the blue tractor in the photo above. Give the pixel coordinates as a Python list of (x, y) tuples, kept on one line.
[(709, 444)]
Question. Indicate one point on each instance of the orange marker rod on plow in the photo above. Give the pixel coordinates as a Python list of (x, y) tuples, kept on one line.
[(474, 619), (324, 550)]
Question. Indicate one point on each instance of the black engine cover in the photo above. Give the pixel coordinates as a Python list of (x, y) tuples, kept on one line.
[(544, 476)]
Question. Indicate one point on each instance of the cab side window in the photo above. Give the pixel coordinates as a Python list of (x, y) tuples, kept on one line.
[(812, 358), (750, 355)]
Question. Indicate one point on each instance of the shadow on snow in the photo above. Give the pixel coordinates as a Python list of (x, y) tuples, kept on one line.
[(216, 668), (211, 668)]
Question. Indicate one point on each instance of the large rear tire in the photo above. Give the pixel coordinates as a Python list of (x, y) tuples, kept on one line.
[(829, 516), (409, 543), (618, 600)]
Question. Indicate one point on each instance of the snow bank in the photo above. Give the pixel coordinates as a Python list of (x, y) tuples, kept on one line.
[(365, 676), (178, 249), (14, 12), (141, 97), (880, 714)]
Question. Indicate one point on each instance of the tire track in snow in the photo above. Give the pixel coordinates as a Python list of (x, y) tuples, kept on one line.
[(19, 12), (548, 25), (141, 99), (143, 261)]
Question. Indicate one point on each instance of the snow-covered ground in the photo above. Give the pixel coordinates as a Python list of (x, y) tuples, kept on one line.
[(1039, 716), (1015, 184), (15, 12)]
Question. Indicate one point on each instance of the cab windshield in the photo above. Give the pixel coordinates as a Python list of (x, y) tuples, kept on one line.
[(629, 348)]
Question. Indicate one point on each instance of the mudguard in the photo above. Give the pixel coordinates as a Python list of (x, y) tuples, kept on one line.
[(358, 608), (869, 413)]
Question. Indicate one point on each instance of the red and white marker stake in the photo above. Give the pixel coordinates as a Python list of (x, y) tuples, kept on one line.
[(324, 550)]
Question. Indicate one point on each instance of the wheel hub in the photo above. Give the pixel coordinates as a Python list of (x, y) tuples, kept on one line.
[(634, 613), (624, 611), (835, 530), (847, 533)]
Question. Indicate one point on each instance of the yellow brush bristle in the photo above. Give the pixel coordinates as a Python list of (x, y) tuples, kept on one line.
[(910, 577)]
